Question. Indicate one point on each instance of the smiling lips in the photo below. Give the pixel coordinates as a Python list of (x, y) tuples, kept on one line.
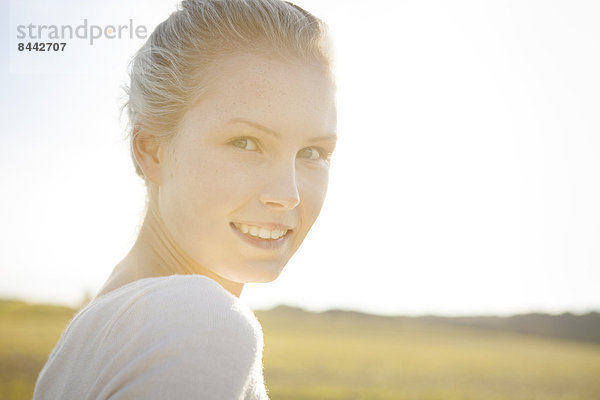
[(262, 237), (260, 232)]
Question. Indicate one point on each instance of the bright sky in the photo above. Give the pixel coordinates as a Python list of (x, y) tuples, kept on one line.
[(466, 179)]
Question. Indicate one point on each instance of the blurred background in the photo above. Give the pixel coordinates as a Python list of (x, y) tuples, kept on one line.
[(465, 183)]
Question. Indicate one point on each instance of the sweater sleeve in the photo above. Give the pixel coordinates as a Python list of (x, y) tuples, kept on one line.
[(175, 343)]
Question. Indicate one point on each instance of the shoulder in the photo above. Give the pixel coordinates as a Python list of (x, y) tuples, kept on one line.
[(185, 300), (179, 334), (176, 300), (171, 305), (201, 338)]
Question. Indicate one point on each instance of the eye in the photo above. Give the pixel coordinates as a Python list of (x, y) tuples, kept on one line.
[(312, 153), (245, 144)]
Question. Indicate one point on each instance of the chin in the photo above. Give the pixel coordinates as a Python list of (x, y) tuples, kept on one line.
[(260, 273), (266, 279)]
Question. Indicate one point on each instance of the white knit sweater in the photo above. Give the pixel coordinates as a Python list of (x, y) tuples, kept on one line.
[(175, 337)]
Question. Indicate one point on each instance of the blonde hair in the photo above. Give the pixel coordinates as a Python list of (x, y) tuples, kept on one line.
[(172, 69)]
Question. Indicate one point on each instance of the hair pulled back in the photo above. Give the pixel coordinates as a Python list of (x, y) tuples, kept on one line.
[(171, 71)]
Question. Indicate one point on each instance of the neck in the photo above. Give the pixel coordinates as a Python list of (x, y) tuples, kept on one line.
[(155, 253)]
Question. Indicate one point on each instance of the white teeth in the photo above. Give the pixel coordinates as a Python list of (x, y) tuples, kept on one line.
[(264, 233), (260, 232)]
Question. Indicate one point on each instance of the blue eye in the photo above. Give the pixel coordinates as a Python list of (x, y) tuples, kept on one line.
[(245, 144)]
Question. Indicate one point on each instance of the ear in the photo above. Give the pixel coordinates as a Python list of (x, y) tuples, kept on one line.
[(147, 151)]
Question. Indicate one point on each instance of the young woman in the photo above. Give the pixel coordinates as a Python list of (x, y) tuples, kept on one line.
[(233, 122)]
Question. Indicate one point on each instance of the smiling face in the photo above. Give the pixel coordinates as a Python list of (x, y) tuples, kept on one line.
[(245, 177)]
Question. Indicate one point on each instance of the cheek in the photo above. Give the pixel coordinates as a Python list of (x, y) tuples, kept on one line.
[(204, 189), (312, 187)]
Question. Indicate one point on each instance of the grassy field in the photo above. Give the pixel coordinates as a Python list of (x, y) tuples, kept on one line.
[(346, 356)]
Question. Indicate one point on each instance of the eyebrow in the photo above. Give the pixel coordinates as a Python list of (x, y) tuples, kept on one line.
[(277, 134)]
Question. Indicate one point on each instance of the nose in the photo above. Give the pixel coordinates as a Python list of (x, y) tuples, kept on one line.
[(281, 189)]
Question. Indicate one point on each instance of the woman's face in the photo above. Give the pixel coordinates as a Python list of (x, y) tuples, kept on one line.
[(245, 177)]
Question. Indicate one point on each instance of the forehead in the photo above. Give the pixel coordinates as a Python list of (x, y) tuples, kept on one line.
[(281, 94)]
